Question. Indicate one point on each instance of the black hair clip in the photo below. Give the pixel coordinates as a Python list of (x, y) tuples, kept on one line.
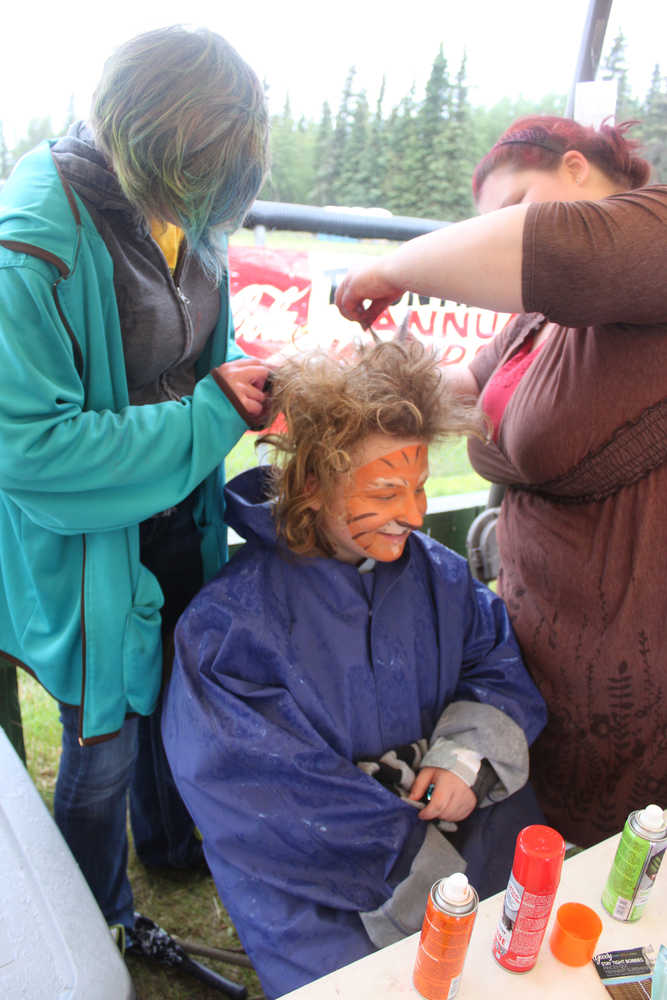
[(532, 137)]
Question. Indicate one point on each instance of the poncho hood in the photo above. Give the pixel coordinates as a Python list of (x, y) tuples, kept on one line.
[(248, 509)]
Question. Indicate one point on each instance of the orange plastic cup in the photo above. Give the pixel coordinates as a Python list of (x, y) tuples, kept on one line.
[(575, 933)]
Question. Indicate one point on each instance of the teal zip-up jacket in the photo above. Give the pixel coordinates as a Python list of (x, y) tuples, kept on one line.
[(80, 467)]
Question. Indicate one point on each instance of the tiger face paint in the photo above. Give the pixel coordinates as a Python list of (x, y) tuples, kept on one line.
[(375, 509)]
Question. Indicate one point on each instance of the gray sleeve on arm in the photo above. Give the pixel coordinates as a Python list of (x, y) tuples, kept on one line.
[(402, 914), (467, 730)]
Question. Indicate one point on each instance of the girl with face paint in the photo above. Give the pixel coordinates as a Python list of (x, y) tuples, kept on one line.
[(381, 501), (341, 664)]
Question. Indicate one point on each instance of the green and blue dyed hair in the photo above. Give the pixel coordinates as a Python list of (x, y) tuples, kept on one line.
[(183, 120)]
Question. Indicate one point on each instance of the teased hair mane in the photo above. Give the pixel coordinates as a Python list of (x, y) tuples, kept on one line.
[(329, 406)]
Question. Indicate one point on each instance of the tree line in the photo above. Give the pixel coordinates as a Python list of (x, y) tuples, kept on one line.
[(415, 159)]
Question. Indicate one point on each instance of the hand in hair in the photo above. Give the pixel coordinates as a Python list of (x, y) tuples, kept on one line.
[(243, 382), (357, 287)]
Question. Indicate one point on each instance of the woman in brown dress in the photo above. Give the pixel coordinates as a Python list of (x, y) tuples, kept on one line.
[(575, 388)]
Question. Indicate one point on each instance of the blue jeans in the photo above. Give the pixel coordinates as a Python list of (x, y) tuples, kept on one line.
[(96, 781), (90, 809)]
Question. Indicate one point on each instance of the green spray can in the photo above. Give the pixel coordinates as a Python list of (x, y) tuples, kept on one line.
[(636, 864)]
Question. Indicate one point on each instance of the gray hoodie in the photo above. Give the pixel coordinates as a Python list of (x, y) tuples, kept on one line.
[(165, 319)]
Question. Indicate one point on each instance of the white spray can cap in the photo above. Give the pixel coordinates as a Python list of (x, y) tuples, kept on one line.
[(651, 818), (455, 888)]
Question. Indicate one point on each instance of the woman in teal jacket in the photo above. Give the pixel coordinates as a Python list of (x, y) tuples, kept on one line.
[(121, 392)]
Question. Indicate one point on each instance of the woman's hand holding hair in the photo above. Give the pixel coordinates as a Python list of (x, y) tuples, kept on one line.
[(243, 381), (368, 285)]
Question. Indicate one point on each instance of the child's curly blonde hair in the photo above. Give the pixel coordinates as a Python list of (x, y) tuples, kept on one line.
[(329, 406)]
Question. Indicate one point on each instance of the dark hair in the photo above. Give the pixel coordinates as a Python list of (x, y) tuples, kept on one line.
[(538, 142), (329, 406), (183, 120)]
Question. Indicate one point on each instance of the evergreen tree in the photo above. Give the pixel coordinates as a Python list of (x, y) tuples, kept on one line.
[(375, 156), (305, 138), (342, 130), (614, 67), (354, 181), (292, 171), (654, 126), (435, 108), (455, 156), (275, 186), (433, 121), (322, 190), (651, 105), (403, 159), (282, 130)]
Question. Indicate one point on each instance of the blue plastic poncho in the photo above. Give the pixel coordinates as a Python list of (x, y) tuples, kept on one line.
[(286, 673)]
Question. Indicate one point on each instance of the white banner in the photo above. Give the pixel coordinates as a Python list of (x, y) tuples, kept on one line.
[(284, 297)]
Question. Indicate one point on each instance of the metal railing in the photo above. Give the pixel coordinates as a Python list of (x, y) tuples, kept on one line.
[(337, 221)]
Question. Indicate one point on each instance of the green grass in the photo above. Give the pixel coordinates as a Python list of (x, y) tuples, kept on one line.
[(41, 734)]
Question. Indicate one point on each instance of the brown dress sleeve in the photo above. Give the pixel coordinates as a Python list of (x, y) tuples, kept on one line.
[(590, 263)]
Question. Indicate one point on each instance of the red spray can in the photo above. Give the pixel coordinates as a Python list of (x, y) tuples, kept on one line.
[(538, 860), (451, 909)]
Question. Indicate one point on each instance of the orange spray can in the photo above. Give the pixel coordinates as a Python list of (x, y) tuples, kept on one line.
[(451, 909), (538, 860)]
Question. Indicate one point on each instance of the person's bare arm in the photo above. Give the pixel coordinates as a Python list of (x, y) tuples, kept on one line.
[(462, 381), (477, 261)]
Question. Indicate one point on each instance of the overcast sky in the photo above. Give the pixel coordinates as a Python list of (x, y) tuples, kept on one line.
[(52, 52)]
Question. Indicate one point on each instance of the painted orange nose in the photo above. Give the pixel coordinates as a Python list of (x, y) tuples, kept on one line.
[(413, 512)]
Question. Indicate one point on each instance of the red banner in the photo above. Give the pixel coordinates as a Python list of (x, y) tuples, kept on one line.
[(284, 297)]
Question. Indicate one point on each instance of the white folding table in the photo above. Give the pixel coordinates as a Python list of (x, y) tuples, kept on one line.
[(387, 974)]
